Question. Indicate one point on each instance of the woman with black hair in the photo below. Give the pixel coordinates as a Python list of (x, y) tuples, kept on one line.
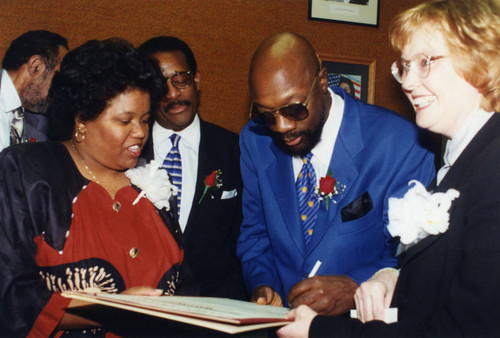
[(72, 214)]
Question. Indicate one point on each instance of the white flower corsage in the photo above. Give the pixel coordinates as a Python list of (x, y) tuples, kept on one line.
[(420, 213), (154, 183)]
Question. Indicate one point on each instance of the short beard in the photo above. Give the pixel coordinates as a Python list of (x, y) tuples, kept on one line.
[(32, 98), (309, 140)]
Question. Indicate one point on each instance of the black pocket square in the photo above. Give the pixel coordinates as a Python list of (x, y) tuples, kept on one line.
[(357, 208)]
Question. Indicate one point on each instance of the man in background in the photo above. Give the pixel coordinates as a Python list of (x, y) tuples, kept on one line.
[(203, 161), (28, 66), (303, 242)]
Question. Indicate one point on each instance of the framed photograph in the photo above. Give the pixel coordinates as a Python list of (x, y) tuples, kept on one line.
[(356, 75), (359, 12)]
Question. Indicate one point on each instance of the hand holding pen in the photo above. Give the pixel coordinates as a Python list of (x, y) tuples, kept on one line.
[(328, 295)]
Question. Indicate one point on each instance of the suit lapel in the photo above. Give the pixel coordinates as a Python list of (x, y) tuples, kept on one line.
[(282, 182), (36, 126), (349, 143), (459, 172), (345, 172), (447, 183), (148, 150), (204, 169)]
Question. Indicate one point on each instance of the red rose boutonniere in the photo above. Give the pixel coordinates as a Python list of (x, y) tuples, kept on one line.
[(328, 187), (212, 181)]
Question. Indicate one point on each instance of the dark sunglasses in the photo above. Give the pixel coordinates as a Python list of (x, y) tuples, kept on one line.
[(296, 111)]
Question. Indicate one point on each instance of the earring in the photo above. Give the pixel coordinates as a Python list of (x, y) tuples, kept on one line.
[(80, 135)]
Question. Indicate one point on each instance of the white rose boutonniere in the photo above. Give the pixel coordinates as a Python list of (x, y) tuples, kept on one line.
[(154, 183), (420, 213)]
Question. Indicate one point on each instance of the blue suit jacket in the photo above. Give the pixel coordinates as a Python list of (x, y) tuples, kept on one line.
[(376, 154)]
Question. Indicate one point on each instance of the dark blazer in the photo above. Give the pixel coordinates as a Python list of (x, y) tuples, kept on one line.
[(449, 284), (36, 127), (213, 225)]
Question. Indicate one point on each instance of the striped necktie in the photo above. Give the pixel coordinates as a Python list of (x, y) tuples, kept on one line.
[(17, 126), (173, 165), (308, 203)]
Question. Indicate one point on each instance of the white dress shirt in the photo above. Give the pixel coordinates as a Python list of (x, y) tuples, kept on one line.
[(188, 147), (9, 101), (462, 138), (322, 152)]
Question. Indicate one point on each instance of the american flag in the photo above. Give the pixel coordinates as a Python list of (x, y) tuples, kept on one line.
[(334, 81)]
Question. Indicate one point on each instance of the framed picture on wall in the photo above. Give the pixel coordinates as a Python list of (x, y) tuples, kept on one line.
[(359, 12), (356, 75)]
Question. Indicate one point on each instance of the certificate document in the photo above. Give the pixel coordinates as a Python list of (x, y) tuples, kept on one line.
[(226, 315)]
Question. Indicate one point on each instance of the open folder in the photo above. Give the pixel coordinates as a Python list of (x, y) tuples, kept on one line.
[(221, 314)]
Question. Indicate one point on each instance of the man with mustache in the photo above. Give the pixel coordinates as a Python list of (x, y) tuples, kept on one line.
[(29, 64), (302, 242), (211, 219)]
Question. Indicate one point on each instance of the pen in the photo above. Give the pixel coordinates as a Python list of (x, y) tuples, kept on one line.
[(315, 269)]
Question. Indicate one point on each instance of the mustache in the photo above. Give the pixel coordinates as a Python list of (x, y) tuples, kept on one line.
[(289, 135), (172, 104)]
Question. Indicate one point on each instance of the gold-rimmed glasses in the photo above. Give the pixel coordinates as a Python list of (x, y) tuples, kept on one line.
[(420, 63), (181, 80)]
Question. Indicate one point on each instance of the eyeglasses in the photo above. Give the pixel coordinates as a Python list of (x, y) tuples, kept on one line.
[(295, 111), (181, 80), (420, 63)]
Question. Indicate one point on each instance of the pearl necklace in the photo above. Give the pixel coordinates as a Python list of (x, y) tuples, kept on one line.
[(84, 163)]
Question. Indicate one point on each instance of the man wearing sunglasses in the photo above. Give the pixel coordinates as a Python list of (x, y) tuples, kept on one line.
[(302, 242), (210, 222)]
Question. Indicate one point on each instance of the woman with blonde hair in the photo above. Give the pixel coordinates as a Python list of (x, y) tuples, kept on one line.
[(448, 281)]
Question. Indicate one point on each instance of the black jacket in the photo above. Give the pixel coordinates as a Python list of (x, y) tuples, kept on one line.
[(213, 225), (449, 285)]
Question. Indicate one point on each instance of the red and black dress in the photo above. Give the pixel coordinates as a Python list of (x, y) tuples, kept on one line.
[(59, 232)]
